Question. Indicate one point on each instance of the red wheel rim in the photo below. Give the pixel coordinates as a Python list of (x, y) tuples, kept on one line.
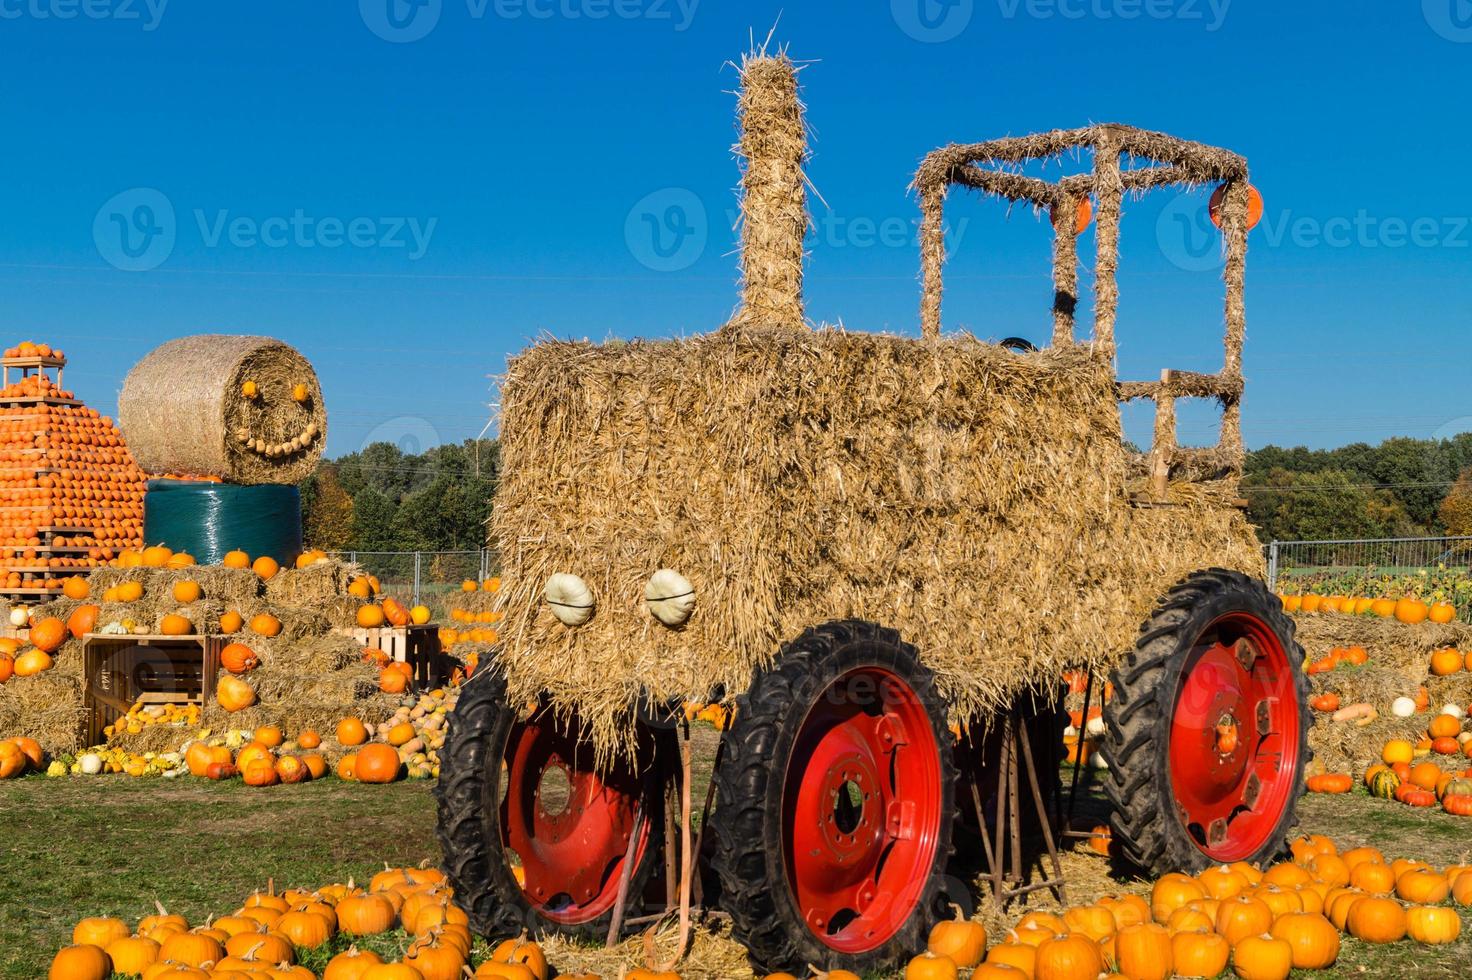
[(571, 847), (1234, 737), (862, 809)]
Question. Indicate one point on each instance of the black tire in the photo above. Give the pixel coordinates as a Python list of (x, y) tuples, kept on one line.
[(747, 826), (1148, 832), (469, 827)]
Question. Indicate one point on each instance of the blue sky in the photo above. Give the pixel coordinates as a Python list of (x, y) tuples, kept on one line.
[(409, 192)]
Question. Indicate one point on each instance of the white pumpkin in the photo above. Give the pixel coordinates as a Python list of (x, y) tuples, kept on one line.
[(1403, 707), (570, 599), (20, 616), (91, 763), (1096, 759), (670, 597), (1095, 727), (1453, 710)]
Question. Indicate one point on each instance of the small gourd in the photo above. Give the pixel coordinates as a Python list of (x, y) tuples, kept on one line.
[(569, 598), (670, 597)]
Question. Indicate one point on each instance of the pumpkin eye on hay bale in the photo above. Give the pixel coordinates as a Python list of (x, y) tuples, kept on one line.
[(185, 409)]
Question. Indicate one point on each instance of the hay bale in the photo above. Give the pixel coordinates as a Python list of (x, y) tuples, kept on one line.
[(774, 215), (183, 411), (46, 707), (319, 584), (971, 498)]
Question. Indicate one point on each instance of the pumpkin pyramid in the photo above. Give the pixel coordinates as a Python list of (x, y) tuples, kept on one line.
[(71, 496)]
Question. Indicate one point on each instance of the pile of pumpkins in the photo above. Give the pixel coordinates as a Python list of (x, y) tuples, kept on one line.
[(416, 731), (1408, 610), (480, 624), (1409, 773), (27, 659), (266, 936), (1261, 924)]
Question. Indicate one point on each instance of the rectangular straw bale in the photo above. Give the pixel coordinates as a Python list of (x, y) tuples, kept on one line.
[(973, 498)]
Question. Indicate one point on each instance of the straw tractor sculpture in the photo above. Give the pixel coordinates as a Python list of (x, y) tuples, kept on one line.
[(864, 544)]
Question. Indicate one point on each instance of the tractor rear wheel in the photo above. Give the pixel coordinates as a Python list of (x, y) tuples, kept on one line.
[(1206, 737), (832, 834), (534, 836)]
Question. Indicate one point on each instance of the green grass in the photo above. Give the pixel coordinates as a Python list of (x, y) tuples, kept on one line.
[(112, 846)]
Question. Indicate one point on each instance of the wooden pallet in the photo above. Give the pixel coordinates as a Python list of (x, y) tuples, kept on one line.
[(418, 646), (120, 669)]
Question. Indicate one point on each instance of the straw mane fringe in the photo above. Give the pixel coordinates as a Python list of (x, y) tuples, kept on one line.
[(972, 498), (181, 407), (774, 217)]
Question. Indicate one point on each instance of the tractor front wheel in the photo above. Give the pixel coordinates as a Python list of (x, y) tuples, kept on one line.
[(1206, 737), (833, 828), (534, 834)]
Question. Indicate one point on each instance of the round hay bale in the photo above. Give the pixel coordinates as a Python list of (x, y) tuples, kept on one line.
[(183, 409)]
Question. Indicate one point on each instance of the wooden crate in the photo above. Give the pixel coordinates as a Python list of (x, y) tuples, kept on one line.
[(418, 646), (120, 670)]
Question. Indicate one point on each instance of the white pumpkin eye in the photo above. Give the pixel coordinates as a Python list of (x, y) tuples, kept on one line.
[(670, 597), (569, 598)]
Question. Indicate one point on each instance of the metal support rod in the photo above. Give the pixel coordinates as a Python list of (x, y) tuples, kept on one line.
[(616, 924), (999, 869), (986, 842), (1042, 809), (1014, 804)]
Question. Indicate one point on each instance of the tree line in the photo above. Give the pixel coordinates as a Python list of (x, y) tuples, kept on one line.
[(1400, 488), (383, 499)]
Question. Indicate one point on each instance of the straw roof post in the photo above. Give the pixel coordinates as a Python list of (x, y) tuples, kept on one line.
[(183, 410), (774, 217)]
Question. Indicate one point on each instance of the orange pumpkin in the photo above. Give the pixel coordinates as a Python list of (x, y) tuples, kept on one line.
[(82, 620), (351, 731), (1446, 661), (76, 587), (1411, 611), (187, 591), (234, 694), (238, 658), (377, 763), (1442, 612), (1331, 782), (370, 616), (231, 622), (175, 625), (49, 634), (394, 612), (266, 567), (265, 624), (236, 559)]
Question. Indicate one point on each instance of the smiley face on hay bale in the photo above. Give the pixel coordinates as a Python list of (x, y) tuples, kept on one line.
[(246, 409)]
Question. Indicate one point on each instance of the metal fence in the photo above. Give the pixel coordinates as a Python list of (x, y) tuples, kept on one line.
[(1366, 562), (425, 576)]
